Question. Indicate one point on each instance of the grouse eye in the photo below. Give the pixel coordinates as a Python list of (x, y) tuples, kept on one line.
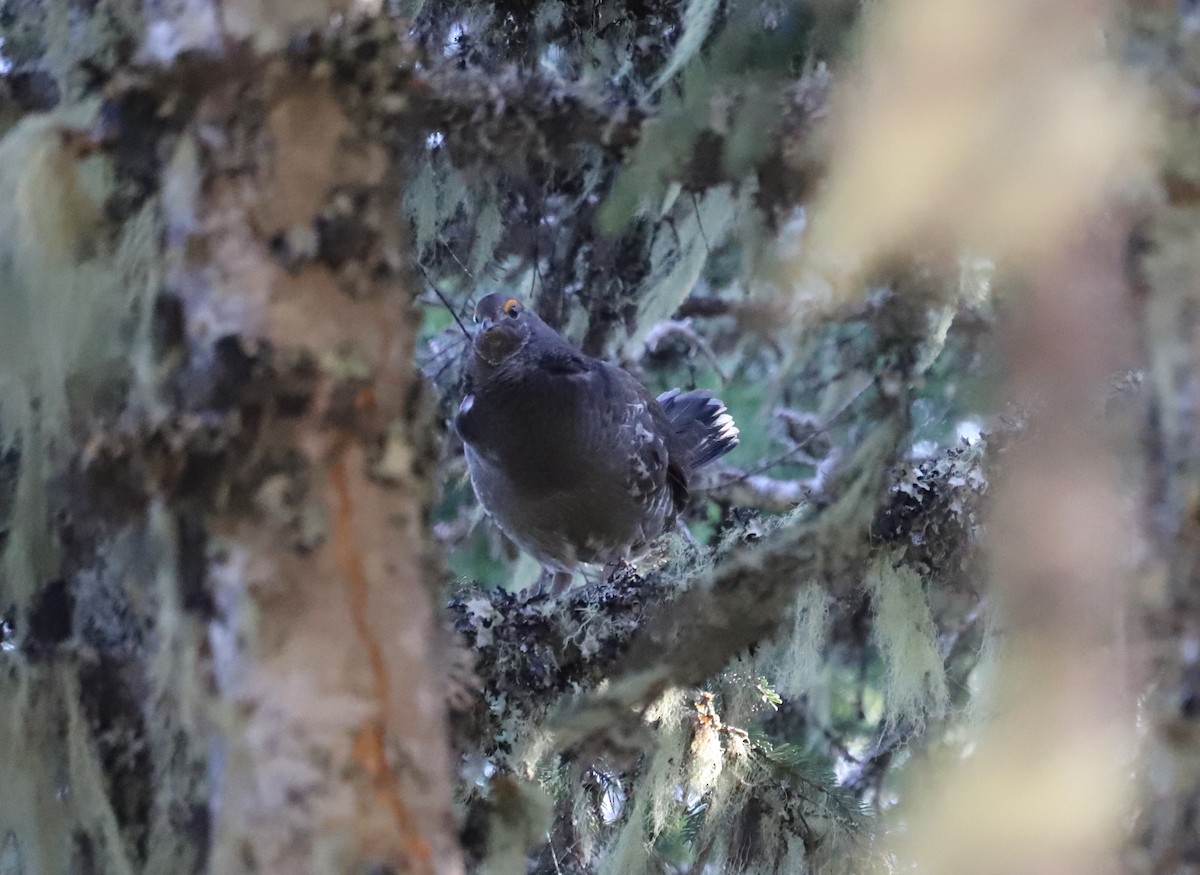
[(512, 307)]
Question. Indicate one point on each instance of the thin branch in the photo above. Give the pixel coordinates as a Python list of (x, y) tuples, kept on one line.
[(443, 299)]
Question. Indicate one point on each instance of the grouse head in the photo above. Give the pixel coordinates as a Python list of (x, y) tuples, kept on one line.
[(505, 327)]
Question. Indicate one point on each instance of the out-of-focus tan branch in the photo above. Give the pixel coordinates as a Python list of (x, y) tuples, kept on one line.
[(1004, 128), (998, 127), (1046, 788)]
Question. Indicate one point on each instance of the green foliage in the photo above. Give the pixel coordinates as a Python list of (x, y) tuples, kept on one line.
[(767, 693)]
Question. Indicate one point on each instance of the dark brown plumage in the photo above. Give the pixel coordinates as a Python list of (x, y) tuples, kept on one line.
[(575, 459)]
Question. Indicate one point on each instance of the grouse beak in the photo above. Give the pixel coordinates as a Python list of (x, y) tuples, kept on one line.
[(495, 342)]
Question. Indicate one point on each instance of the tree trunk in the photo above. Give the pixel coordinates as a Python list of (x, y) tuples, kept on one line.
[(220, 654)]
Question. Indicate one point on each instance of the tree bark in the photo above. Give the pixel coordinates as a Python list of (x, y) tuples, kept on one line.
[(248, 679)]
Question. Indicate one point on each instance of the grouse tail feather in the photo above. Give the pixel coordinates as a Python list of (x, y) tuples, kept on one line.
[(701, 422)]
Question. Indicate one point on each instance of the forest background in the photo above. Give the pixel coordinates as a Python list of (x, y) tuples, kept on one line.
[(939, 610)]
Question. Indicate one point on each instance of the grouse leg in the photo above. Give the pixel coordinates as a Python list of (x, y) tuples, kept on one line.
[(561, 582), (681, 529), (612, 569)]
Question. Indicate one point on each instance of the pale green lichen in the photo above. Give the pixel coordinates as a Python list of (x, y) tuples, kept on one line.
[(665, 771), (706, 761), (70, 300), (914, 684), (421, 204), (982, 682), (438, 191), (521, 820), (75, 41), (697, 22), (678, 255), (801, 665), (631, 851), (489, 230)]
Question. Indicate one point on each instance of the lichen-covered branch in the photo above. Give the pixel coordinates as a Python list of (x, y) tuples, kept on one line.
[(650, 633)]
